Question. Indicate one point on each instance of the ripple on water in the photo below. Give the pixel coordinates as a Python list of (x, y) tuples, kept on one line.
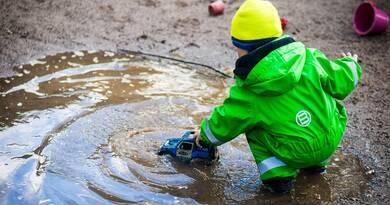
[(84, 128)]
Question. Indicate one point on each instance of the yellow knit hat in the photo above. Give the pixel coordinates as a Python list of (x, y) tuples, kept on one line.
[(256, 19)]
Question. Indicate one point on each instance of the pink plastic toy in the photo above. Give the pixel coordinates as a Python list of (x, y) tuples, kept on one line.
[(216, 8), (369, 19)]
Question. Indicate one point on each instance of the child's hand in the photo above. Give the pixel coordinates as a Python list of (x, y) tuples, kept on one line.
[(197, 137), (354, 56)]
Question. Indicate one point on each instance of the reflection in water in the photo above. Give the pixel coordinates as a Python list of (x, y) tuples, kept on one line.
[(84, 128)]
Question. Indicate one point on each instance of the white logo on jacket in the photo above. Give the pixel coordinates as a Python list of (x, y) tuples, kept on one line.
[(303, 118)]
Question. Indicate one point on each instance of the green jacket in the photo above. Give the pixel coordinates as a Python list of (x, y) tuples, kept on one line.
[(287, 91)]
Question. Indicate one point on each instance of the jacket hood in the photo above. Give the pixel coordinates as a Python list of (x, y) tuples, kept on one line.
[(273, 68)]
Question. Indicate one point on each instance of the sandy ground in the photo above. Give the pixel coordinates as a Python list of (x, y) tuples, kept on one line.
[(183, 29)]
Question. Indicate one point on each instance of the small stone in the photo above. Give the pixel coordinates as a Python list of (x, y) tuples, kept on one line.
[(19, 104), (79, 53), (26, 71), (107, 53), (35, 62), (370, 172)]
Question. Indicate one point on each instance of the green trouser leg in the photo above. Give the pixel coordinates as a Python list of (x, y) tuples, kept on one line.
[(268, 164), (282, 156)]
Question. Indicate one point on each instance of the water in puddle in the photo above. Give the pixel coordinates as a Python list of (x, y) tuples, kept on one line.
[(84, 128)]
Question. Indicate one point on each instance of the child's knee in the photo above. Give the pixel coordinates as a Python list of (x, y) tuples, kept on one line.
[(272, 167)]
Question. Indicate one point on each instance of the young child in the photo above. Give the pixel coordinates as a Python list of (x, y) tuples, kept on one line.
[(286, 99)]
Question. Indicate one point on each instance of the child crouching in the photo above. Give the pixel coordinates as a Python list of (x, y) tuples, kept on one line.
[(286, 99)]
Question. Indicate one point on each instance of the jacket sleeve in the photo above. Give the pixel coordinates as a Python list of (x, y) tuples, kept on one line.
[(340, 76), (230, 119)]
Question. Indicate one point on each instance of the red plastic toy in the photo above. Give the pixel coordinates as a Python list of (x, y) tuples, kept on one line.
[(284, 22)]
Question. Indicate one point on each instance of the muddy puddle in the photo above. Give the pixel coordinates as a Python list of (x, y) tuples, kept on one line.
[(84, 127)]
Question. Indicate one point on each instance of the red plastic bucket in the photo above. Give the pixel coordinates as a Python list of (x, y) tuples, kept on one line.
[(369, 19), (216, 8)]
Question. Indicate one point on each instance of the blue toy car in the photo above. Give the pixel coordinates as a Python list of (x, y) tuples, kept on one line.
[(185, 149)]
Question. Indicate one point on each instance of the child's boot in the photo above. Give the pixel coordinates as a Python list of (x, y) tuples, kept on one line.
[(313, 170), (279, 184)]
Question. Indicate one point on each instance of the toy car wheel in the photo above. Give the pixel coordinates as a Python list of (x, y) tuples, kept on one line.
[(161, 152), (217, 157), (215, 154)]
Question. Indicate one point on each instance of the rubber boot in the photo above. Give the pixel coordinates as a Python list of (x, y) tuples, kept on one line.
[(313, 170), (279, 185)]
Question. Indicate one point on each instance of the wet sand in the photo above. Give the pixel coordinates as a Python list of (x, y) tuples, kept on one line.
[(183, 29)]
